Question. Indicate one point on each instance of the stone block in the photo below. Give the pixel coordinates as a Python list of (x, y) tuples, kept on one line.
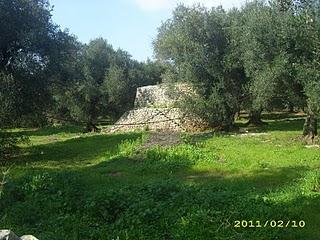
[(28, 237), (8, 235)]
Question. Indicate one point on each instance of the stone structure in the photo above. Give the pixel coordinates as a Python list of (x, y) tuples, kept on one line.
[(155, 109), (9, 235)]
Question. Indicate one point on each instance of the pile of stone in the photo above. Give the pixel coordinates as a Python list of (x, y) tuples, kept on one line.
[(9, 235), (155, 109)]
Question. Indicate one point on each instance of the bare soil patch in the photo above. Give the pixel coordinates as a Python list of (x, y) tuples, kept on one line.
[(162, 139)]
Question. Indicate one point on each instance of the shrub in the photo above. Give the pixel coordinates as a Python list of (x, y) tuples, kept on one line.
[(8, 144)]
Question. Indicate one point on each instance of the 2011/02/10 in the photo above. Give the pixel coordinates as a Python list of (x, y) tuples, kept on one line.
[(268, 223)]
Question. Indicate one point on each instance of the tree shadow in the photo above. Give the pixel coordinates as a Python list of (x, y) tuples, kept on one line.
[(275, 121), (82, 148), (182, 168), (284, 122), (47, 131), (282, 115), (283, 125)]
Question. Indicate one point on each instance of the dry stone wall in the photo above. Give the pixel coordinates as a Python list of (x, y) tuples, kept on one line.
[(161, 96), (154, 110)]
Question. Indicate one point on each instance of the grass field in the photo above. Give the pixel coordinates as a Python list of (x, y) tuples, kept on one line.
[(69, 185)]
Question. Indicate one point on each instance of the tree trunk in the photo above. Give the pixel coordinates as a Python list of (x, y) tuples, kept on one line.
[(91, 127), (226, 125), (291, 108), (237, 114), (93, 115), (255, 118), (310, 128)]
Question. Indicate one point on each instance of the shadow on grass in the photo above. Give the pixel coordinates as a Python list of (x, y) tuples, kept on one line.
[(286, 125), (181, 168), (47, 131), (283, 122), (276, 121), (282, 115), (83, 148)]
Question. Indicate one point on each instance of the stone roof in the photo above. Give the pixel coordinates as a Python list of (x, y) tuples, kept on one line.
[(162, 95)]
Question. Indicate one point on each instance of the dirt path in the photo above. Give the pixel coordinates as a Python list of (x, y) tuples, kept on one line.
[(162, 139)]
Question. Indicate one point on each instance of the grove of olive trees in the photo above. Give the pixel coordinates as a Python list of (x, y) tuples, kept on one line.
[(261, 57)]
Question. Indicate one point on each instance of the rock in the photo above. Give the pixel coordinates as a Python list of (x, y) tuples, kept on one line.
[(312, 146), (8, 235), (28, 237)]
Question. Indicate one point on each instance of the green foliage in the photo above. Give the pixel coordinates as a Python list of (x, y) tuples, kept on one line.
[(3, 181), (195, 42), (116, 85), (26, 27), (176, 158), (8, 144), (312, 92), (86, 98), (8, 99), (30, 44), (99, 82), (306, 59), (263, 56), (217, 109), (259, 35)]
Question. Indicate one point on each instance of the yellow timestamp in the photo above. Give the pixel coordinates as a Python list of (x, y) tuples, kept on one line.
[(269, 223)]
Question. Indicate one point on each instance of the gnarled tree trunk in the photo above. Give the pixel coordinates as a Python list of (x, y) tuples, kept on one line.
[(310, 128), (255, 118)]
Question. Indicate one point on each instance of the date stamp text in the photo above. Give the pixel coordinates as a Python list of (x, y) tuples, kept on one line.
[(269, 223)]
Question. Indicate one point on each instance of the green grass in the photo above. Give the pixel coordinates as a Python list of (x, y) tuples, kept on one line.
[(69, 185)]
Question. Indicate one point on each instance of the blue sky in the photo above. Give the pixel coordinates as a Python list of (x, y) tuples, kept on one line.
[(128, 24)]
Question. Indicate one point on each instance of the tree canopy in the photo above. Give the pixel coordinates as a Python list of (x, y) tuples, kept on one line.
[(264, 56)]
